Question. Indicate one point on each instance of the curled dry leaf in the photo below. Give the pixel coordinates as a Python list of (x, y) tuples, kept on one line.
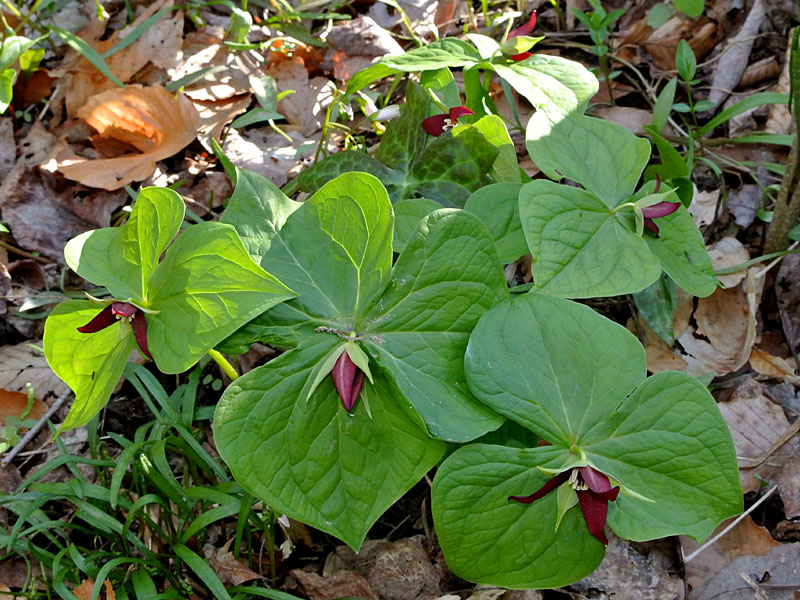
[(725, 253), (160, 44), (663, 42), (745, 539), (150, 119), (772, 366), (339, 585), (84, 590), (726, 328), (659, 355), (227, 566), (704, 207), (22, 364), (756, 425)]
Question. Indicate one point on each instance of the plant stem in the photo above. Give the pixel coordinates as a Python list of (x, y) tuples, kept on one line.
[(223, 363)]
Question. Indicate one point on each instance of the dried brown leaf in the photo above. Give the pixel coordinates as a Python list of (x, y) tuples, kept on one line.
[(745, 539), (772, 366), (22, 364), (84, 590), (725, 253), (756, 424), (704, 207), (229, 568), (150, 119), (13, 404), (787, 290), (339, 585)]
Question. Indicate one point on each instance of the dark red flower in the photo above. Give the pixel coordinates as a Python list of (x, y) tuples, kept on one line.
[(523, 30), (438, 124), (662, 209), (121, 310), (594, 493), (347, 378)]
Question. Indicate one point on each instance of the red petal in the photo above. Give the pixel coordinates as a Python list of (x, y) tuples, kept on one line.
[(357, 383), (597, 481), (140, 333), (105, 318), (525, 29), (650, 224), (662, 209), (521, 56), (123, 309), (594, 509), (544, 490), (459, 111), (434, 125)]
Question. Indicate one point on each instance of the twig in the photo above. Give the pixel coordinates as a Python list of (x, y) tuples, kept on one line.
[(35, 429), (732, 525), (15, 250)]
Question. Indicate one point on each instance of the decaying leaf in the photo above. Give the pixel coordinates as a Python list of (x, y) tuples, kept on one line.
[(704, 207), (22, 364), (266, 152), (13, 404), (339, 585), (659, 356), (215, 115), (772, 366), (787, 290), (306, 107), (745, 539), (160, 44), (155, 122), (84, 590), (725, 253), (8, 149), (229, 568), (203, 49), (756, 425)]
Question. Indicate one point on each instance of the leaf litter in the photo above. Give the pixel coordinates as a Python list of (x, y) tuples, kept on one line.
[(720, 334)]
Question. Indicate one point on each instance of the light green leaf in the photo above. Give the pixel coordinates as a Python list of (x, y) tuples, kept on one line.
[(505, 166), (487, 47), (122, 259), (442, 83), (350, 219), (691, 8), (448, 52), (419, 329), (580, 249), (12, 48), (672, 163), (663, 104), (656, 305), (497, 206), (257, 195), (603, 157), (312, 460), (685, 61), (7, 78), (555, 85), (669, 442), (554, 366), (490, 539), (407, 214), (89, 363), (206, 287), (682, 252)]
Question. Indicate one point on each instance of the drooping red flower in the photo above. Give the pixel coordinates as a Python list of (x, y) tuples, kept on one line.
[(662, 209), (594, 493), (121, 310), (523, 30), (438, 124), (348, 379)]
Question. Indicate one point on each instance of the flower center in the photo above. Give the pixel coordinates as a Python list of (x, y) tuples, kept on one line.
[(577, 482), (448, 124)]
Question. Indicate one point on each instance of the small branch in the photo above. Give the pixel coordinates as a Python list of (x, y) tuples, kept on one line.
[(40, 259), (35, 429)]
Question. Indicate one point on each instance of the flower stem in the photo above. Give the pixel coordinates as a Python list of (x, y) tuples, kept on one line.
[(223, 363)]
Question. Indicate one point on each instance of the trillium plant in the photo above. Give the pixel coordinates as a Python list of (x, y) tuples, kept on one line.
[(385, 294)]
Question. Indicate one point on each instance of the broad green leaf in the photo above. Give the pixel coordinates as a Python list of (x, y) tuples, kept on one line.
[(407, 215), (672, 163), (656, 305), (685, 61), (668, 442), (446, 277), (312, 460), (448, 52), (691, 8), (89, 363), (603, 157), (12, 48), (682, 252), (206, 287), (555, 85), (489, 539), (554, 366), (497, 206), (506, 166), (366, 76), (580, 249), (7, 77), (404, 138), (487, 47), (442, 83), (122, 259), (257, 195), (335, 251)]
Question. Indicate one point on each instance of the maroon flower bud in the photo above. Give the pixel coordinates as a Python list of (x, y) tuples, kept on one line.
[(348, 379), (524, 30)]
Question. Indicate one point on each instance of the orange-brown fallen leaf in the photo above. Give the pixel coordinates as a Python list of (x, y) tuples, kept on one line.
[(14, 404), (158, 124), (84, 590)]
